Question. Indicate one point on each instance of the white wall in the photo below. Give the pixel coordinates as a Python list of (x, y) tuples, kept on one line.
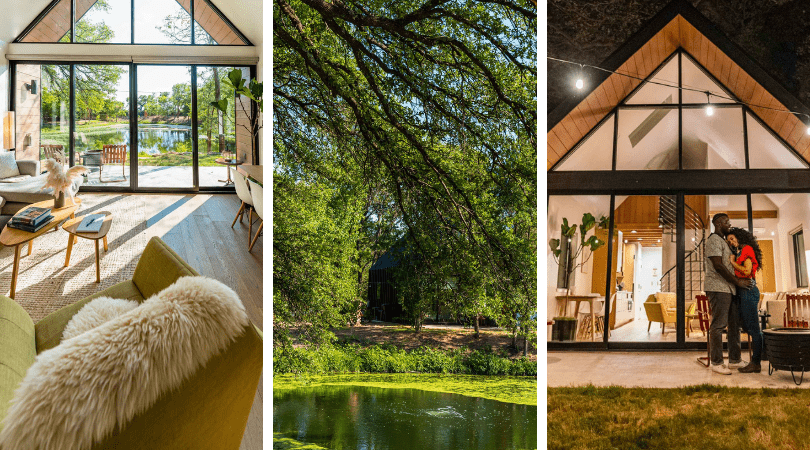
[(794, 213), (4, 86)]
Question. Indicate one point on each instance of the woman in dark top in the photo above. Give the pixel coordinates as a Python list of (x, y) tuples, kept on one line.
[(747, 261)]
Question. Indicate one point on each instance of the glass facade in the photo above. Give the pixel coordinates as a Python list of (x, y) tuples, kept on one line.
[(133, 22), (660, 127), (153, 149)]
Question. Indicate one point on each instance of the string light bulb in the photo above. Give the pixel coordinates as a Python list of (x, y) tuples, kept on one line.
[(709, 107)]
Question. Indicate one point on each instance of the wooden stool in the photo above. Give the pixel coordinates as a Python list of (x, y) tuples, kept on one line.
[(71, 225)]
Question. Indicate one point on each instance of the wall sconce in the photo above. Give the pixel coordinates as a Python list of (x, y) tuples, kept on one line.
[(9, 131), (32, 88), (27, 140)]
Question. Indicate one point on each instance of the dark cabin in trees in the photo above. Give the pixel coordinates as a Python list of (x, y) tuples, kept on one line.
[(382, 294)]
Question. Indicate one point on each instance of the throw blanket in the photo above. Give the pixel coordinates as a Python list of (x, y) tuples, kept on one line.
[(78, 392)]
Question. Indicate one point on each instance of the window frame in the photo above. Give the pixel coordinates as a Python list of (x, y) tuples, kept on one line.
[(133, 122), (72, 32), (799, 259)]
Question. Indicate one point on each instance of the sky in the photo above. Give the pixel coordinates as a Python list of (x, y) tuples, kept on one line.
[(148, 15)]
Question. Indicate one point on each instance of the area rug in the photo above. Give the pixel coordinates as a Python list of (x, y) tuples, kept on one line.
[(44, 285)]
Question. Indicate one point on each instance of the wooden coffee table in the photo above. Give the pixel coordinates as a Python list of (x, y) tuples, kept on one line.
[(71, 225), (12, 237)]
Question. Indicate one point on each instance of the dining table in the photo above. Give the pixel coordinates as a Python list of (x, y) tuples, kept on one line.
[(251, 170), (562, 301)]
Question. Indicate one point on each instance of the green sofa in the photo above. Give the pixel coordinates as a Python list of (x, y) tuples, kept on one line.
[(208, 411)]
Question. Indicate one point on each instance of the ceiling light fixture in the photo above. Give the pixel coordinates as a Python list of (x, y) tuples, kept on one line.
[(580, 82)]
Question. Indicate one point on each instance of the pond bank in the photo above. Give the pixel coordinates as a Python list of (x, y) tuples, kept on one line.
[(520, 390)]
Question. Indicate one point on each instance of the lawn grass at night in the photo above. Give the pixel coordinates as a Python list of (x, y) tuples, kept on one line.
[(703, 416)]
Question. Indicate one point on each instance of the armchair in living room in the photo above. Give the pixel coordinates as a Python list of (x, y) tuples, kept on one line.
[(156, 396)]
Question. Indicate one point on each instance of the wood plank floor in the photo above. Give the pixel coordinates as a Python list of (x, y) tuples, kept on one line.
[(207, 242)]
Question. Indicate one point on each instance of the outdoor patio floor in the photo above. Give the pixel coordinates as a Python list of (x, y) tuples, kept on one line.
[(660, 369), (159, 176)]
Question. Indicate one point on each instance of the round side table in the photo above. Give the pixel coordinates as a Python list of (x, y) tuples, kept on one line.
[(71, 225), (228, 163)]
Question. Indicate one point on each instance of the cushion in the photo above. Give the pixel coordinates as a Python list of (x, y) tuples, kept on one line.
[(8, 164), (95, 313), (17, 349), (50, 328), (85, 388)]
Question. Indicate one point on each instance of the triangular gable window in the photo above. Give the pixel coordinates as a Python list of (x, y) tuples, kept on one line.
[(156, 22), (648, 135), (655, 94), (766, 151), (595, 152), (698, 83)]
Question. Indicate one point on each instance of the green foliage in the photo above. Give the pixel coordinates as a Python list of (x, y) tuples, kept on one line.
[(313, 249), (386, 358), (427, 113)]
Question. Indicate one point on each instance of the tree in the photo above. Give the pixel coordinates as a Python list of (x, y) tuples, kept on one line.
[(431, 107), (313, 249)]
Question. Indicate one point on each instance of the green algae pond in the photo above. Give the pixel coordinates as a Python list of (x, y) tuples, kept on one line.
[(405, 411)]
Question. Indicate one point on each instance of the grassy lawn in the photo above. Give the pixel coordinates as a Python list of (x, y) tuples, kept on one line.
[(686, 418), (520, 390)]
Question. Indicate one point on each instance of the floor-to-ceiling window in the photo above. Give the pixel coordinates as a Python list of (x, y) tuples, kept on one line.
[(165, 150), (101, 133)]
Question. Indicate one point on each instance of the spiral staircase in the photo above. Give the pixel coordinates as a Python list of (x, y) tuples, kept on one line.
[(695, 230)]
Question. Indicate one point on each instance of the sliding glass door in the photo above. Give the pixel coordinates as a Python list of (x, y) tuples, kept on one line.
[(165, 158), (133, 125), (101, 134)]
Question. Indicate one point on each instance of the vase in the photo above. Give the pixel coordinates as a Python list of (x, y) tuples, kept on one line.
[(59, 201)]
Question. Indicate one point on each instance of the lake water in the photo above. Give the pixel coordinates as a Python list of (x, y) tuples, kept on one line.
[(152, 139), (365, 418)]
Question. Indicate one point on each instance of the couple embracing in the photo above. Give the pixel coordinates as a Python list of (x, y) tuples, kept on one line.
[(732, 259)]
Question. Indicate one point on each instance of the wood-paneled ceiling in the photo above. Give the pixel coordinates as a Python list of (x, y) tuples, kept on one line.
[(678, 33)]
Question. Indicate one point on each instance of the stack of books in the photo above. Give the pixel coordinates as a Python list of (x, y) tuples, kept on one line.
[(31, 219)]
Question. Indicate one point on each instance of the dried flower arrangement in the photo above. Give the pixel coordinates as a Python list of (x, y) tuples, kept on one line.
[(60, 179)]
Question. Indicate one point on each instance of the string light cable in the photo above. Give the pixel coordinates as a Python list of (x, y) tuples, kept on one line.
[(709, 94)]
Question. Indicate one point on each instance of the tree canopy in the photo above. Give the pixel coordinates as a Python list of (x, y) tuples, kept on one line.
[(425, 112)]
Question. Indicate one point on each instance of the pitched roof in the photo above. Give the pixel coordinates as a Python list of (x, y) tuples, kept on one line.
[(678, 25)]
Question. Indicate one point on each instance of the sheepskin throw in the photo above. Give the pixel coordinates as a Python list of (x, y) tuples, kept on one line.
[(76, 393), (95, 313)]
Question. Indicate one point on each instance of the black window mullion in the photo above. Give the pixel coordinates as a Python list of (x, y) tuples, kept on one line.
[(133, 125), (609, 278), (615, 138), (254, 108), (195, 152), (680, 111), (680, 291), (192, 22), (750, 214), (745, 137), (132, 22), (72, 116)]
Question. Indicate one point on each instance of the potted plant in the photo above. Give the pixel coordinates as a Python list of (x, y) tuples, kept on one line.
[(254, 91), (567, 251)]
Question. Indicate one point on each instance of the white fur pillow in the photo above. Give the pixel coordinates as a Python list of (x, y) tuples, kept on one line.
[(95, 313), (78, 392)]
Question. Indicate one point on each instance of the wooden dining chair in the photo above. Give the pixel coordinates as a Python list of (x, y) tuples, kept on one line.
[(704, 316), (53, 151), (113, 154)]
